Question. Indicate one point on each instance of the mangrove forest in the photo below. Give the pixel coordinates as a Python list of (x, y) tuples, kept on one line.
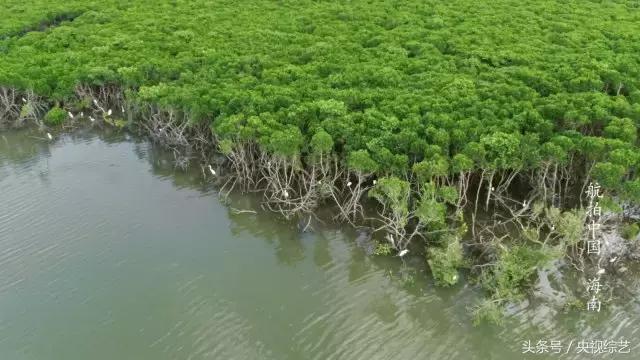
[(474, 133)]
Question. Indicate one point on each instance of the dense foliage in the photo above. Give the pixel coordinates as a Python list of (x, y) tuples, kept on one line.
[(406, 81), (55, 116), (427, 96)]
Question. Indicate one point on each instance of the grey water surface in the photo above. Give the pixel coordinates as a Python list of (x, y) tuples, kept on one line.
[(109, 252)]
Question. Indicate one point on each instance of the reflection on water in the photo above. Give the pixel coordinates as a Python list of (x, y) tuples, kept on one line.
[(108, 252)]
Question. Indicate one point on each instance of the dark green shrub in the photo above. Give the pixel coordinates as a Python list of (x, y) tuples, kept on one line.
[(55, 116)]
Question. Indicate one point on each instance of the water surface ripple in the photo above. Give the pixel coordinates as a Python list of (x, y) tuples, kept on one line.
[(107, 252)]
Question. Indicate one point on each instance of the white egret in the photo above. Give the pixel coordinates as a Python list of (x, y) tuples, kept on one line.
[(81, 114), (122, 107), (213, 172), (613, 259), (92, 119), (390, 238), (493, 189), (109, 112), (403, 252), (49, 136), (24, 100), (70, 115), (375, 182), (349, 183), (286, 194), (600, 272), (95, 102)]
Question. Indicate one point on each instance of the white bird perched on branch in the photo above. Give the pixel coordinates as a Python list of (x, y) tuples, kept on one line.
[(24, 100), (390, 238), (70, 115), (286, 194), (600, 272), (349, 183), (403, 253), (81, 114), (49, 136), (375, 182), (109, 112), (613, 259), (122, 107), (95, 102), (92, 119), (213, 172)]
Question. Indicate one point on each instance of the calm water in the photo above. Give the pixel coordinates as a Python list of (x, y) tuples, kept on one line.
[(107, 252)]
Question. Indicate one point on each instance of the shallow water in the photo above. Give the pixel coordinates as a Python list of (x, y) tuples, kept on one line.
[(108, 252)]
